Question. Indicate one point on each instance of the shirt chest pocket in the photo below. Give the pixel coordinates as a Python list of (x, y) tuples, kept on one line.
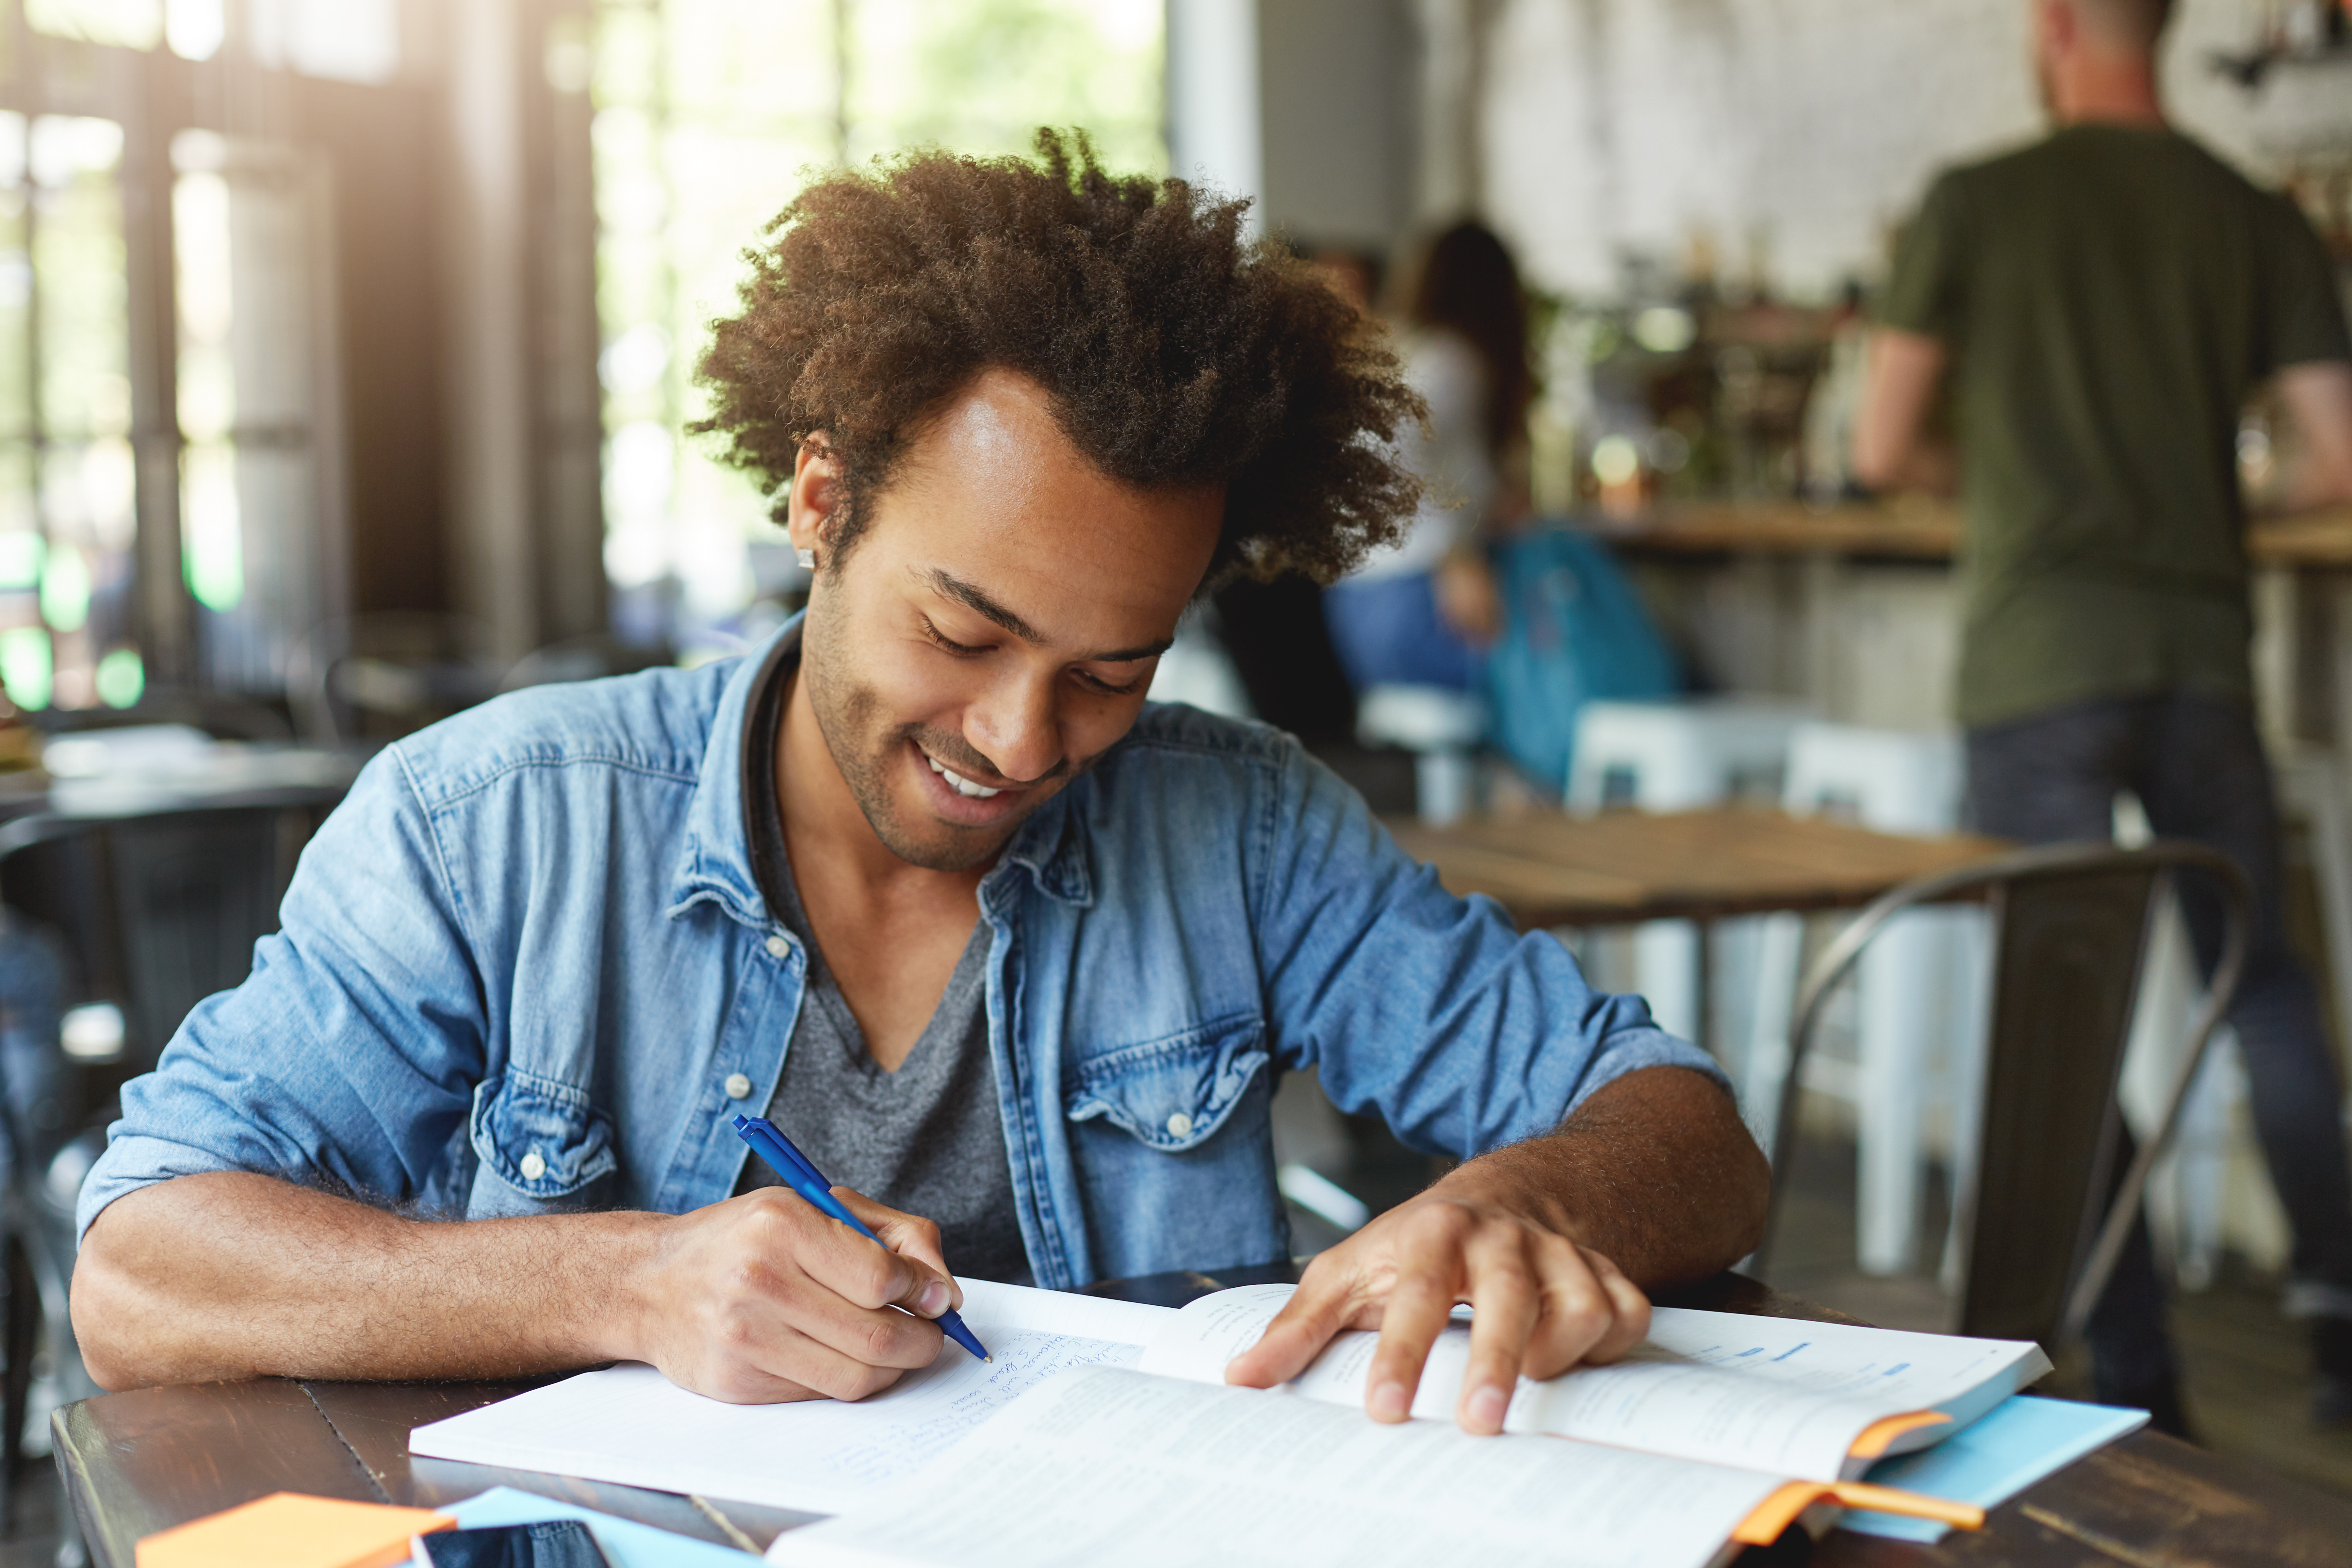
[(542, 1146), (1171, 1094)]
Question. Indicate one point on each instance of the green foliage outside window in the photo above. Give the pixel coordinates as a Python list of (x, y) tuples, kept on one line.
[(709, 115)]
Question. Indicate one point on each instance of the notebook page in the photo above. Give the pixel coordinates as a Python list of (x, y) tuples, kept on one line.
[(1771, 1393), (1112, 1466), (631, 1424)]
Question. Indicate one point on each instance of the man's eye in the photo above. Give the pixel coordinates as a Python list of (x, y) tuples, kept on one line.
[(932, 632), (1105, 687)]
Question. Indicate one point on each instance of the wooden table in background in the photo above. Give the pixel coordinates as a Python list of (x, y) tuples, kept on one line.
[(137, 1463), (1548, 868), (1911, 528)]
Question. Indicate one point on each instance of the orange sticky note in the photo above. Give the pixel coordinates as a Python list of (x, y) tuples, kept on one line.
[(287, 1529)]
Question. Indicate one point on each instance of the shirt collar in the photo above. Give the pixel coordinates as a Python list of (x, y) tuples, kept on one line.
[(716, 864)]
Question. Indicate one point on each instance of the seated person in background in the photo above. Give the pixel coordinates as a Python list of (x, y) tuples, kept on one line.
[(1422, 608), (1010, 954)]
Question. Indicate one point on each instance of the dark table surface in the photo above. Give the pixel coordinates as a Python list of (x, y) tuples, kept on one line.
[(139, 1462)]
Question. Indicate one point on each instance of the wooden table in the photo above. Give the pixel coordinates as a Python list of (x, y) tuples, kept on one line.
[(1911, 528), (136, 1463), (1548, 868), (1621, 867)]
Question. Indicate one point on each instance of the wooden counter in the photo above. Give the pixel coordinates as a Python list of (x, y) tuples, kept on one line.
[(1914, 530)]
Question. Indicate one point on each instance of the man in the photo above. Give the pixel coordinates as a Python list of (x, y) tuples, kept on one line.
[(2105, 302), (1037, 951)]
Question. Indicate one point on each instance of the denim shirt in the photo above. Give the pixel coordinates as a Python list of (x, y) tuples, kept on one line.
[(526, 969)]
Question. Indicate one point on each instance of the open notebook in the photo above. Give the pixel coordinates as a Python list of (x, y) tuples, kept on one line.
[(1718, 1428)]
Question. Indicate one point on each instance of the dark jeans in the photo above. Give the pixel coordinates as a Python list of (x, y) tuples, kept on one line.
[(2197, 768)]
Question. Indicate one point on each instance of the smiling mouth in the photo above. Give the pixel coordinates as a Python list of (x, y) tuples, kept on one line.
[(960, 784)]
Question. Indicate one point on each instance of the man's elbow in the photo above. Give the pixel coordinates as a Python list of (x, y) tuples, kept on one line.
[(127, 1323), (102, 1306), (1750, 1196)]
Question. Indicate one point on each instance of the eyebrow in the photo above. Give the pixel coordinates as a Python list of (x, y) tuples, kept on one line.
[(972, 597)]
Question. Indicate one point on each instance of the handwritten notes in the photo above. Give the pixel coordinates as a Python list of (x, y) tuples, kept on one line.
[(631, 1424)]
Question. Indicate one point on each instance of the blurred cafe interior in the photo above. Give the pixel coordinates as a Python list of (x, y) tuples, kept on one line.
[(347, 367)]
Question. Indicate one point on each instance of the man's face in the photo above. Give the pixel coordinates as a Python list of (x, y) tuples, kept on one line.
[(992, 628)]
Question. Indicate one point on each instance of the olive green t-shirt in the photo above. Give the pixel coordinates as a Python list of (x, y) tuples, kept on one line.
[(2109, 295)]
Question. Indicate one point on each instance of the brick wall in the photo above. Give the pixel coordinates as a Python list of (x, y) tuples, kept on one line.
[(1788, 137)]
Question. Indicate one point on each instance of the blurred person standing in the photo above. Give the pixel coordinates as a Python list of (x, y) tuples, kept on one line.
[(1419, 611), (2103, 302)]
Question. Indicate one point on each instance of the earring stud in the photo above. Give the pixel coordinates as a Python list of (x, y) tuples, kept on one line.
[(807, 558)]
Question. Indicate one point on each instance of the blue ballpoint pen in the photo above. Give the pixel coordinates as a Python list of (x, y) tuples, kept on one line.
[(803, 1178)]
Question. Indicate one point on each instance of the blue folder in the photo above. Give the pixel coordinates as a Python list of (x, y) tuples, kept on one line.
[(1994, 1458)]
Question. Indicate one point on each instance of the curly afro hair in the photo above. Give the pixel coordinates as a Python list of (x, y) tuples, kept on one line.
[(1174, 352)]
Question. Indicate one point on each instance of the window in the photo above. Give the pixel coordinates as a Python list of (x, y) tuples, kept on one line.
[(84, 429), (708, 114), (257, 514), (67, 478)]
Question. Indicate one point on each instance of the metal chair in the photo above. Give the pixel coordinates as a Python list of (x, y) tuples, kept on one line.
[(381, 675), (156, 911), (2044, 1217)]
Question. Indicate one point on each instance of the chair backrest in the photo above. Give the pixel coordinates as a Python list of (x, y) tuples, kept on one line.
[(384, 674), (159, 911), (2071, 923)]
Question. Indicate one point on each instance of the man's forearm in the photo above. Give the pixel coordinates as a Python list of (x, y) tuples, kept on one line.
[(232, 1275), (1892, 448), (2319, 399), (1655, 1171)]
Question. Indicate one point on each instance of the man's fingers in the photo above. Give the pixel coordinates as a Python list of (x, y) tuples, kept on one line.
[(1418, 1307), (1630, 1312), (1506, 1302), (1323, 1304), (793, 1365), (916, 1241), (1577, 1311), (825, 1281), (868, 1276)]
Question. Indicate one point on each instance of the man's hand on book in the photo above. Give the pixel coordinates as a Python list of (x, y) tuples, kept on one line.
[(1542, 1303), (761, 1300)]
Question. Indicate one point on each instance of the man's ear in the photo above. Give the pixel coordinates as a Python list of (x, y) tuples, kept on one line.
[(2057, 23), (815, 497)]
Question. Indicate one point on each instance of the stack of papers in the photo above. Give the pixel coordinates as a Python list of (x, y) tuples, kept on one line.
[(1098, 1421)]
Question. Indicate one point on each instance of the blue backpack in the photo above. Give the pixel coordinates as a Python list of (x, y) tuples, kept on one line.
[(1573, 630)]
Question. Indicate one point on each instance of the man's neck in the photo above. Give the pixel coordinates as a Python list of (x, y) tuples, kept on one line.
[(826, 834), (2107, 89)]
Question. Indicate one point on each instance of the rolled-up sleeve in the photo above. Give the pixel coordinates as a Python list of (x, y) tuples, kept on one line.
[(349, 1056), (1431, 1010)]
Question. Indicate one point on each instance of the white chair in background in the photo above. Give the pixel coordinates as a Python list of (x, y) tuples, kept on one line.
[(1917, 995), (1442, 728), (2312, 786), (1680, 756)]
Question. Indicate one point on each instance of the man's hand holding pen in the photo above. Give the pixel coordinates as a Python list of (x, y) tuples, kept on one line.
[(762, 1299)]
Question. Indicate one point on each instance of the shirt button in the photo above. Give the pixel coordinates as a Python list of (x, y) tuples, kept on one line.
[(1180, 1125), (533, 1167), (779, 948), (738, 1086)]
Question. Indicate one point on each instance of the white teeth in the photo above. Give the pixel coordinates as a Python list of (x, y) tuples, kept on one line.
[(960, 784)]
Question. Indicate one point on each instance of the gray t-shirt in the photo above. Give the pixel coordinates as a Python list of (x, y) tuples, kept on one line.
[(927, 1139)]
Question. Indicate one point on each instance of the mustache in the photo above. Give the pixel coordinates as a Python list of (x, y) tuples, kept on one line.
[(953, 751)]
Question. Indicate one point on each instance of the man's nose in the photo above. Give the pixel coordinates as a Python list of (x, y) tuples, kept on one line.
[(1016, 727)]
